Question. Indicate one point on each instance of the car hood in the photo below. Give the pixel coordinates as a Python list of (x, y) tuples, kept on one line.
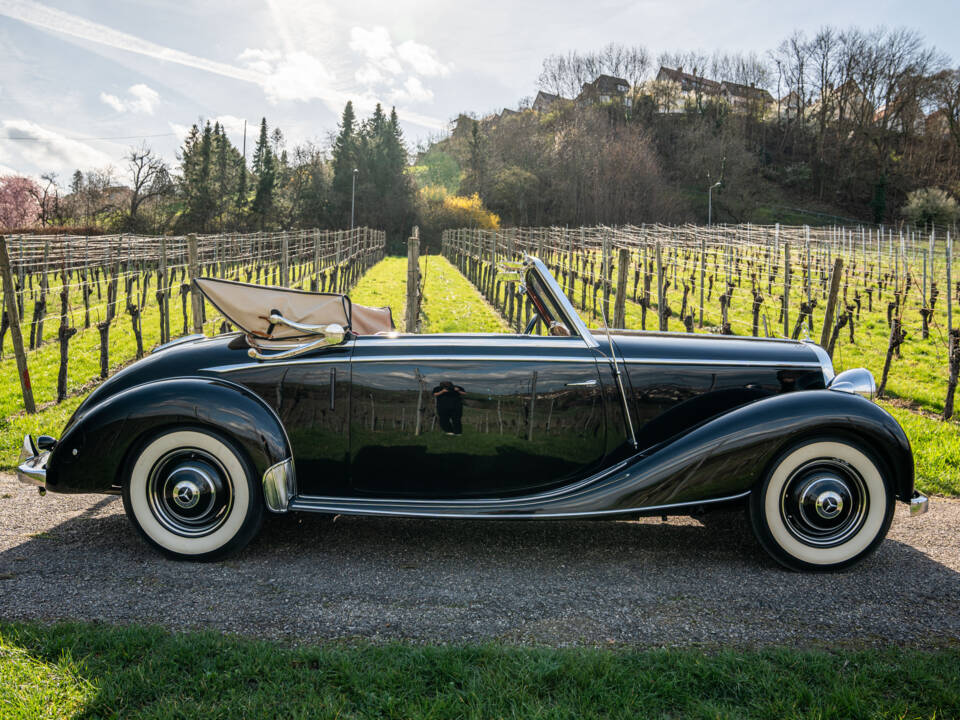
[(705, 349)]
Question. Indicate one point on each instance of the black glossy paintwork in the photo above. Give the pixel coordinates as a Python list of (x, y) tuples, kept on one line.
[(524, 426), (91, 455), (543, 426)]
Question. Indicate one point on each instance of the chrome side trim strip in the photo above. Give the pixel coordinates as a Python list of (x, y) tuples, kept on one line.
[(724, 363), (480, 502), (305, 504), (515, 358)]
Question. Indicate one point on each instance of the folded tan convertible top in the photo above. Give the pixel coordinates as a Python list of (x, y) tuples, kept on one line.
[(249, 307)]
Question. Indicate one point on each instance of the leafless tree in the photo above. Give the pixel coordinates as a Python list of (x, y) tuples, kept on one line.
[(566, 74), (47, 195), (149, 179)]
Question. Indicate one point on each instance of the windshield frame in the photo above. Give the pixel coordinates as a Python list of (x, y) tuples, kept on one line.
[(548, 286)]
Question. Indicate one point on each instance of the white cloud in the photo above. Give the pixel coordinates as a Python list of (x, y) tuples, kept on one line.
[(291, 76), (49, 149), (377, 47), (423, 59), (113, 101), (384, 62), (412, 91), (143, 99), (369, 75), (181, 130)]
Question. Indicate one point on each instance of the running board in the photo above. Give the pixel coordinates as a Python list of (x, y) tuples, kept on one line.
[(485, 510)]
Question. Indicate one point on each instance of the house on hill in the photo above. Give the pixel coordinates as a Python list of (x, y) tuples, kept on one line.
[(677, 88), (937, 123), (545, 101), (746, 98), (605, 89), (844, 102), (791, 105)]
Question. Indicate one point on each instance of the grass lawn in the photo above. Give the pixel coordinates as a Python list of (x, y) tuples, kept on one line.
[(91, 671)]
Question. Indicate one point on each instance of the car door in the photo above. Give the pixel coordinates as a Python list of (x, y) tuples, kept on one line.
[(473, 416), (311, 396)]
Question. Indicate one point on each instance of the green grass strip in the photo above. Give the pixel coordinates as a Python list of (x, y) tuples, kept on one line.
[(87, 671)]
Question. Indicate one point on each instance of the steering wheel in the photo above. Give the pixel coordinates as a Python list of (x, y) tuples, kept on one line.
[(531, 324)]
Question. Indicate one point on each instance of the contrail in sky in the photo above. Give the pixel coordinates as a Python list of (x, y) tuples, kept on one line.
[(64, 23)]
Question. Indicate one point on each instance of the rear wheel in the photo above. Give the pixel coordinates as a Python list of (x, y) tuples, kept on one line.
[(193, 495), (824, 505)]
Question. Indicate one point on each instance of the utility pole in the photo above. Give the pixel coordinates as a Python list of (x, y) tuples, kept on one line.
[(353, 197), (710, 202)]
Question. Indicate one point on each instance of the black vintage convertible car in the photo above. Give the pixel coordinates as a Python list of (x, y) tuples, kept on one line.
[(317, 405)]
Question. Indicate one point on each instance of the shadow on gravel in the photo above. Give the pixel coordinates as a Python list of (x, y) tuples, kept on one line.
[(553, 582)]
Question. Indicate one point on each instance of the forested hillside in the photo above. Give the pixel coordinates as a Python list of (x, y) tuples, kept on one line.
[(846, 123)]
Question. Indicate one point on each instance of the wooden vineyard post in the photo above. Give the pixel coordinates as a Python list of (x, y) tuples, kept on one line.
[(412, 319), (703, 272), (831, 301), (661, 292), (164, 294), (316, 260), (196, 301), (620, 303), (953, 338), (64, 334), (284, 259), (13, 317), (786, 288)]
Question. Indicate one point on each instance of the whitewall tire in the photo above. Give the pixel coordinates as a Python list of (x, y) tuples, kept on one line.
[(824, 505), (193, 495)]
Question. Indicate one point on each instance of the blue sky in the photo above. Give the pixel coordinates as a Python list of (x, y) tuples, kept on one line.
[(123, 70)]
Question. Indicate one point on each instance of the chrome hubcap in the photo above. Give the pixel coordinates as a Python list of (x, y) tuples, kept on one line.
[(824, 502), (189, 492), (829, 504)]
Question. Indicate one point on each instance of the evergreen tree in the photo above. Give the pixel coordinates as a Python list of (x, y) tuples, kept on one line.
[(195, 182), (345, 160), (264, 166)]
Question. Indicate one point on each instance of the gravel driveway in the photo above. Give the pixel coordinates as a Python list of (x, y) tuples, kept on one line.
[(556, 583)]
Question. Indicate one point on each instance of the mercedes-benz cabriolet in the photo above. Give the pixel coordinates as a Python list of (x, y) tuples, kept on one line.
[(319, 405)]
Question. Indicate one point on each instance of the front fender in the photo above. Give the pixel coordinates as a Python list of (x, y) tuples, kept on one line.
[(729, 454), (91, 455)]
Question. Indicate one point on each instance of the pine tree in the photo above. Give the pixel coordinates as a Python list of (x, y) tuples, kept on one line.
[(265, 168), (195, 181), (345, 160)]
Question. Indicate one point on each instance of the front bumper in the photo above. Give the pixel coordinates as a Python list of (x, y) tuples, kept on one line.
[(919, 504), (32, 469)]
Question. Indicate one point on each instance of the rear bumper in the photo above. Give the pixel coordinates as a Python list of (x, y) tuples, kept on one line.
[(919, 504), (32, 468)]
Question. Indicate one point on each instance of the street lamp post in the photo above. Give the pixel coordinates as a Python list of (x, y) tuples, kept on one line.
[(710, 202), (353, 197)]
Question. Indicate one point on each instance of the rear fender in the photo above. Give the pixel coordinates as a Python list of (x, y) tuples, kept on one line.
[(726, 456), (92, 454)]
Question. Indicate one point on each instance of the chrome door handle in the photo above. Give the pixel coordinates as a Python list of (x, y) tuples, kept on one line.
[(585, 383)]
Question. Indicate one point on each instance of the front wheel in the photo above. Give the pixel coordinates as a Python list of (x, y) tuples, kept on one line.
[(193, 495), (824, 505)]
